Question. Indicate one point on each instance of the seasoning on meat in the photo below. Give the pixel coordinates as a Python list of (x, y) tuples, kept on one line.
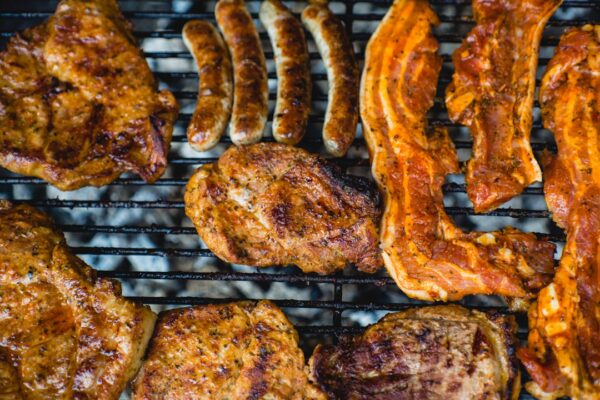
[(64, 333), (274, 204), (78, 102), (563, 353), (428, 256), (492, 93), (236, 351)]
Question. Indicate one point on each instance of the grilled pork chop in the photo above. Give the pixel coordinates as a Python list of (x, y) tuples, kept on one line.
[(236, 351), (273, 204), (563, 356), (78, 102), (64, 334), (428, 256), (492, 93), (443, 352)]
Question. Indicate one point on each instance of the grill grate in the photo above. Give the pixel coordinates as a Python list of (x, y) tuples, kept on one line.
[(131, 248)]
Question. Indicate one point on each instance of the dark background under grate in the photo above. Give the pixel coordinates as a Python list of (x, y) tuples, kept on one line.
[(139, 234)]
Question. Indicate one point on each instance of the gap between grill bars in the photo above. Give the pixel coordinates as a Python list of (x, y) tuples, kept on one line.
[(138, 233)]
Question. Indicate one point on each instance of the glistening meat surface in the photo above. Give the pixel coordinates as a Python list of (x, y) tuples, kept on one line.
[(64, 333), (563, 356), (492, 93), (78, 102), (425, 253), (274, 204)]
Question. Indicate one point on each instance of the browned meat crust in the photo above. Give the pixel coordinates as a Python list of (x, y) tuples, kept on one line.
[(273, 204), (78, 102), (563, 356), (492, 93), (64, 334), (293, 71), (426, 254), (443, 352), (215, 84), (236, 351), (251, 92), (343, 75)]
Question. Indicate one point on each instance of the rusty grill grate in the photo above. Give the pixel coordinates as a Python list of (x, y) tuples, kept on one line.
[(139, 234)]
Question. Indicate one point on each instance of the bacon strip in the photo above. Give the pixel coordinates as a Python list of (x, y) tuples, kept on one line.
[(293, 71), (335, 47), (563, 356), (426, 254), (251, 92), (492, 93), (215, 87)]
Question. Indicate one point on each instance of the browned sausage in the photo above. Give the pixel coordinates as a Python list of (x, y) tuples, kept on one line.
[(293, 71), (215, 87), (336, 50), (251, 93)]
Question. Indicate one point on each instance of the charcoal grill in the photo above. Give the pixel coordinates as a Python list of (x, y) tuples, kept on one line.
[(138, 233)]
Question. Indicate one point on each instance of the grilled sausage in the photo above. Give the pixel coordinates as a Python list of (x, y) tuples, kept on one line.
[(342, 72), (215, 87), (251, 93), (293, 71)]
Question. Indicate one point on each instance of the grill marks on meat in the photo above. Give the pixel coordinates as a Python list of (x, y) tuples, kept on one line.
[(78, 102), (343, 75), (293, 71), (444, 352), (64, 334), (233, 351), (563, 356), (215, 84), (251, 91), (425, 253), (492, 93), (273, 204)]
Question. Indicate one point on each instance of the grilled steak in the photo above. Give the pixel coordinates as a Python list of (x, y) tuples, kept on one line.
[(428, 256), (64, 334), (273, 204), (237, 351), (492, 93), (563, 356), (444, 352), (78, 102)]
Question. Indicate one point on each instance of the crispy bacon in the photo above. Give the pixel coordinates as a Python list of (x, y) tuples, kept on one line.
[(492, 93), (563, 356), (427, 255)]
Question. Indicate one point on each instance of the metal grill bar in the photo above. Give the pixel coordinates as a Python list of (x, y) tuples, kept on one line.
[(500, 212), (185, 82)]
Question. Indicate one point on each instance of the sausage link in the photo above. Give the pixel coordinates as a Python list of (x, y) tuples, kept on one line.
[(336, 50), (293, 71), (215, 87), (251, 93)]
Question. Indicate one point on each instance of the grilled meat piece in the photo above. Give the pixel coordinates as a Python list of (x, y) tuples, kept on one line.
[(273, 204), (426, 254), (233, 351), (343, 75), (443, 352), (293, 71), (563, 356), (251, 90), (78, 102), (215, 84), (64, 334), (492, 93)]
